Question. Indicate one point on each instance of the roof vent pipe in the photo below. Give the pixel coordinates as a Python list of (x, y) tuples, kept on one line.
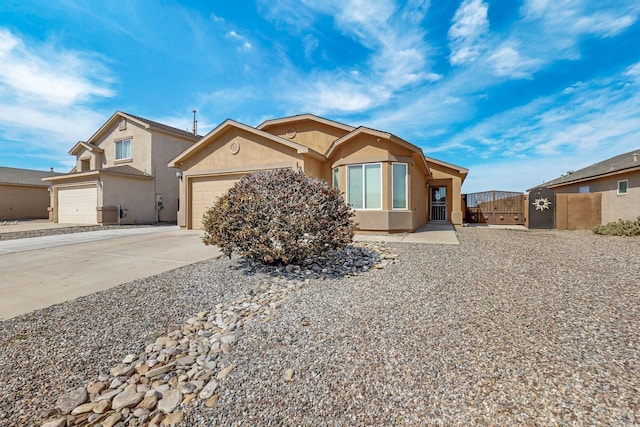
[(635, 157), (195, 123)]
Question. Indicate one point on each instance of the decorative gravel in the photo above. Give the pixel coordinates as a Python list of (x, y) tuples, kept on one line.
[(507, 328), (13, 235)]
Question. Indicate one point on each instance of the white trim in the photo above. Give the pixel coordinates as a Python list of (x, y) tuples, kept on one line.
[(115, 148), (406, 186), (364, 189), (626, 187)]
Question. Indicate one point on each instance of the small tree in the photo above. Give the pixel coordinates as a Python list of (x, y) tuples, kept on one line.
[(279, 217)]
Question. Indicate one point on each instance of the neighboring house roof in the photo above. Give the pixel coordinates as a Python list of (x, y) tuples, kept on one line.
[(81, 144), (302, 117), (227, 124), (27, 177), (124, 170), (146, 123), (615, 165)]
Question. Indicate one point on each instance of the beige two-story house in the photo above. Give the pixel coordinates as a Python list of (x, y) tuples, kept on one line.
[(388, 181), (123, 165)]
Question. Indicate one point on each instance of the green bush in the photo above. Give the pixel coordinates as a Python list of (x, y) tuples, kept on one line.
[(279, 217), (621, 227)]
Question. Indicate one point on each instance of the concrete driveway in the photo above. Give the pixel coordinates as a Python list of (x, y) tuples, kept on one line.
[(42, 271)]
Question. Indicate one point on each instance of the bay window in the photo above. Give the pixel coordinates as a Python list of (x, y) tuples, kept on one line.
[(364, 186), (399, 185)]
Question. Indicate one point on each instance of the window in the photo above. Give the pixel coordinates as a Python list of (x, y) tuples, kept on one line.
[(584, 189), (336, 178), (399, 185), (622, 186), (123, 149), (364, 186)]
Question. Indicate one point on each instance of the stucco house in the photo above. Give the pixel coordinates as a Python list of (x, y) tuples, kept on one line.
[(23, 195), (388, 181), (124, 163), (615, 182)]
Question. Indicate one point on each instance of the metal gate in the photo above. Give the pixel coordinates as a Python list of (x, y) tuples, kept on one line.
[(495, 207), (438, 204), (542, 208)]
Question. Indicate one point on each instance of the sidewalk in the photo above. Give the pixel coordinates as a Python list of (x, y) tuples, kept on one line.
[(433, 233)]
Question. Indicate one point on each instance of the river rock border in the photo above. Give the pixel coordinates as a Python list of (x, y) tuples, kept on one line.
[(187, 362)]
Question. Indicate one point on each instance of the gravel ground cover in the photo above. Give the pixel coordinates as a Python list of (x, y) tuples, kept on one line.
[(507, 328)]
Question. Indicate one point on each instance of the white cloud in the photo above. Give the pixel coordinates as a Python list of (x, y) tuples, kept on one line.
[(508, 62), (44, 75), (45, 97), (470, 24)]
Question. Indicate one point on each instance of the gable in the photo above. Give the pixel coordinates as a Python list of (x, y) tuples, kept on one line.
[(317, 135), (236, 148)]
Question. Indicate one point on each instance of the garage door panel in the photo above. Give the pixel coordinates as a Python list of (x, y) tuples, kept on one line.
[(204, 192), (78, 205)]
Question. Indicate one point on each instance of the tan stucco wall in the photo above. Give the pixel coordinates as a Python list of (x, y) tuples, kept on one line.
[(165, 148), (141, 158), (614, 206), (312, 134), (135, 195), (23, 202)]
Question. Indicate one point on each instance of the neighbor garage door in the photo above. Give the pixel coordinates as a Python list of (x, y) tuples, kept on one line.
[(204, 192), (78, 205)]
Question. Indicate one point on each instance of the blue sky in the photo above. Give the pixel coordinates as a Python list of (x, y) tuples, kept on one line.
[(519, 92)]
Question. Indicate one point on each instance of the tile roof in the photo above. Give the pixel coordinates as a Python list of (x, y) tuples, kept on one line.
[(164, 127), (25, 176), (615, 164)]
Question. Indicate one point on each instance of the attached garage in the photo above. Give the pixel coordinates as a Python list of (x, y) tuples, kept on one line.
[(78, 205), (204, 191)]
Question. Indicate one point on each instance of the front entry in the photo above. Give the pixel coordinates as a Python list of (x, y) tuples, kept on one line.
[(438, 204)]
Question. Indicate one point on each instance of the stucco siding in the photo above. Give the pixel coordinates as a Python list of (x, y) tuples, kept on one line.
[(135, 195), (314, 135), (614, 206), (141, 157), (165, 148), (23, 202)]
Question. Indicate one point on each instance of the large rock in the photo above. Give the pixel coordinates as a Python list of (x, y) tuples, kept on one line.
[(127, 399), (170, 399), (56, 423), (68, 401)]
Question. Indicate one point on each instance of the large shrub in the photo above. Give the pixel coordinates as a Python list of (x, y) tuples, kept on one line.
[(279, 217), (621, 227)]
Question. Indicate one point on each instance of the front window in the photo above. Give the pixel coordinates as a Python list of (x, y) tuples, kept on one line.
[(364, 186), (622, 186), (123, 149), (584, 189), (399, 184)]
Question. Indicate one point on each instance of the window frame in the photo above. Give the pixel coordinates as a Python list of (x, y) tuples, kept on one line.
[(120, 142), (626, 187), (406, 186), (362, 166), (335, 178)]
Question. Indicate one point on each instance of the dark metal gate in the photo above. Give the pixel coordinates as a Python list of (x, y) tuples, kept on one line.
[(542, 208), (495, 207)]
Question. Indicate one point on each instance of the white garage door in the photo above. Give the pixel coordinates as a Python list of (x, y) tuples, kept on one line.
[(204, 192), (78, 205)]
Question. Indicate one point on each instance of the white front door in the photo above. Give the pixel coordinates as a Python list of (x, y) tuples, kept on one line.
[(438, 204)]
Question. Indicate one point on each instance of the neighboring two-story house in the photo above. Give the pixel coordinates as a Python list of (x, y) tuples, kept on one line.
[(123, 164)]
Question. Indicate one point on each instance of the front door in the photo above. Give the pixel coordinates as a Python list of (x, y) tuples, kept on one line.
[(438, 204)]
